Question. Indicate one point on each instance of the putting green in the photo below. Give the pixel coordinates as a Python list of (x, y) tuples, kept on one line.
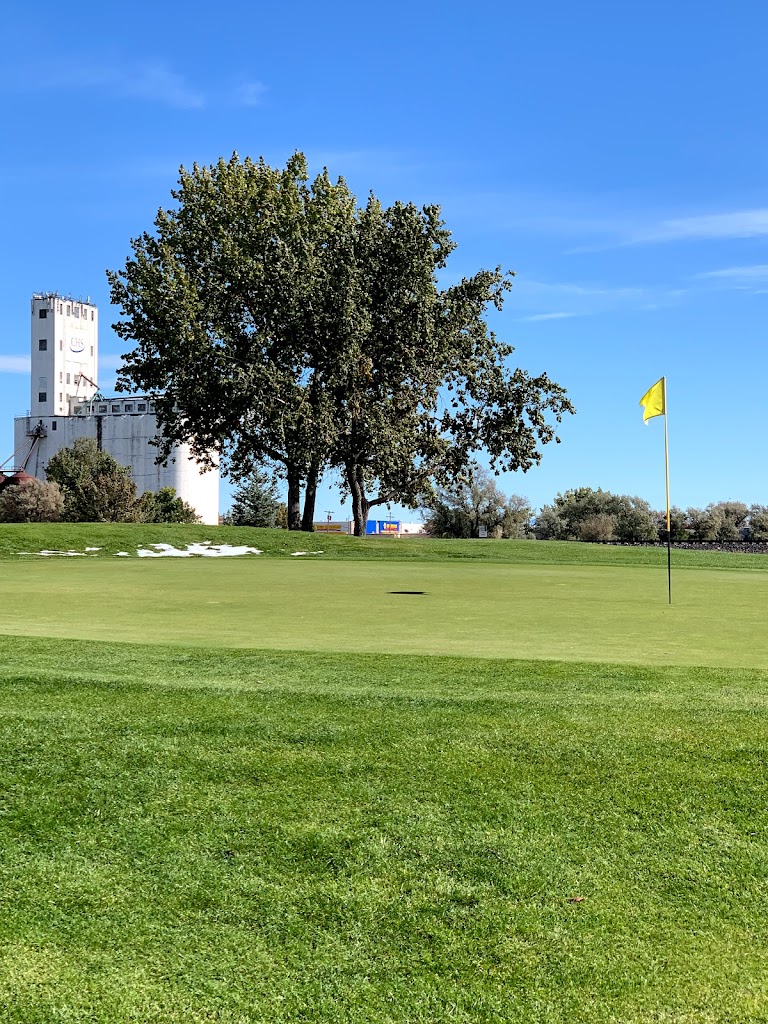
[(592, 613)]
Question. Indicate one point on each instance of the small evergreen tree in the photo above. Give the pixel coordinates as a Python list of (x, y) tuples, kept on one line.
[(255, 502)]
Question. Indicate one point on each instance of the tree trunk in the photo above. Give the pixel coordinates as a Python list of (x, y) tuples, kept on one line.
[(294, 499), (360, 504), (310, 496)]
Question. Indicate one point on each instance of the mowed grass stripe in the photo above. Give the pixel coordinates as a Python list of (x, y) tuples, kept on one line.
[(211, 835), (25, 541), (583, 613)]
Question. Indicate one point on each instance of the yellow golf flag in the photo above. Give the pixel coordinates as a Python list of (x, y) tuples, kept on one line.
[(654, 401)]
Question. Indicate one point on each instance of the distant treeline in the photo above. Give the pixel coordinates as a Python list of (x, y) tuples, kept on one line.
[(477, 505), (596, 515)]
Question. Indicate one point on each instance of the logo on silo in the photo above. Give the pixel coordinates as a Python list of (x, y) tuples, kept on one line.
[(77, 344)]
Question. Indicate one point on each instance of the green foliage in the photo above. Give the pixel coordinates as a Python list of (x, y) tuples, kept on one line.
[(548, 525), (164, 506), (96, 488), (255, 502), (758, 523), (597, 515), (678, 522), (275, 321), (597, 528), (31, 501), (475, 500), (721, 522), (281, 516)]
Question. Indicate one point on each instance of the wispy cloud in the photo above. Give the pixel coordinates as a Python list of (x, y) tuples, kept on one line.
[(588, 291), (752, 278), (709, 227), (756, 272), (734, 224), (550, 316), (546, 299), (15, 364), (602, 222), (249, 94), (150, 81)]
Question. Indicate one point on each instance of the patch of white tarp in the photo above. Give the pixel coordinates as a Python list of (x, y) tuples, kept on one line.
[(205, 550)]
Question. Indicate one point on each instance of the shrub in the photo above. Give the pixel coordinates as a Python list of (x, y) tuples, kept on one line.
[(597, 529), (31, 501), (164, 506)]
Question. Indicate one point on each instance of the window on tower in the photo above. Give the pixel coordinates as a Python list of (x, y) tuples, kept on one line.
[(42, 313), (42, 345), (42, 396)]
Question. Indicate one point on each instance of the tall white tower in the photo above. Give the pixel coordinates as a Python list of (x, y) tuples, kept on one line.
[(63, 408), (65, 353)]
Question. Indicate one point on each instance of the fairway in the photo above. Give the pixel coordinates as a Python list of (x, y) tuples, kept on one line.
[(582, 612), (482, 786)]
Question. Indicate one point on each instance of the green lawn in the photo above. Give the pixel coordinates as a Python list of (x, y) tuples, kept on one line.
[(216, 807), (26, 541), (583, 612)]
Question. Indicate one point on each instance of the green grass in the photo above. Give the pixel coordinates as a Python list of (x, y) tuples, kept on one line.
[(264, 836), (27, 540), (270, 790), (580, 612)]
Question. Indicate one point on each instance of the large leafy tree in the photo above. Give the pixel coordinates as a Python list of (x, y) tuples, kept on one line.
[(276, 322), (96, 488), (218, 303), (419, 383)]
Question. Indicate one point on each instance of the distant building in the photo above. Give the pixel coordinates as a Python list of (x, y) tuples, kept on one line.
[(65, 404), (377, 527)]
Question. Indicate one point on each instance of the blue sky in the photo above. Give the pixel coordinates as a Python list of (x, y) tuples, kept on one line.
[(614, 156)]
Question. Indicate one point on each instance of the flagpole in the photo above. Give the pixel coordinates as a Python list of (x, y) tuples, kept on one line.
[(666, 466)]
